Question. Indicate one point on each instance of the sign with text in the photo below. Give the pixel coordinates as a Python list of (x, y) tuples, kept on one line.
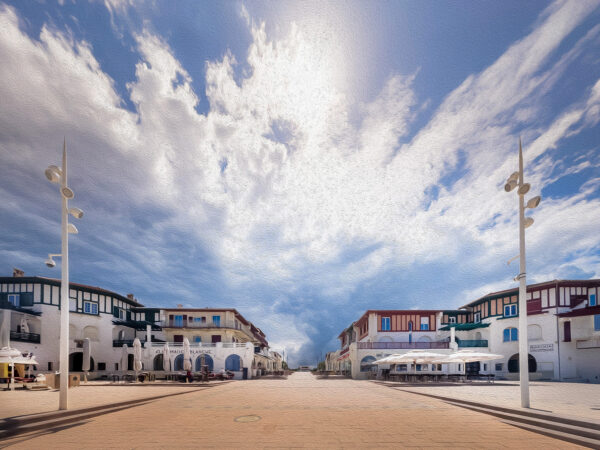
[(541, 348)]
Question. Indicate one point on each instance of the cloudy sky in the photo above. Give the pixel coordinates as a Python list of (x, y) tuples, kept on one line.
[(301, 161)]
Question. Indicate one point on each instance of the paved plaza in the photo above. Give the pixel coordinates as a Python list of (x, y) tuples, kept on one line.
[(302, 411)]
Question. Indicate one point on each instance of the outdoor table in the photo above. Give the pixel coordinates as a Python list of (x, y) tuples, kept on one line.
[(115, 378)]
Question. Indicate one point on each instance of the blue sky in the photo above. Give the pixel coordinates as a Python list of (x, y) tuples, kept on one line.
[(301, 161)]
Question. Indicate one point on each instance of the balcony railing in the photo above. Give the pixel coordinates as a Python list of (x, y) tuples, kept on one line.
[(402, 345), (127, 342), (198, 324), (201, 344), (472, 342), (24, 337)]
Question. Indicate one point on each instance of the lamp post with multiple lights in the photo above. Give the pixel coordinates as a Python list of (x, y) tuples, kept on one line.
[(516, 180), (57, 175)]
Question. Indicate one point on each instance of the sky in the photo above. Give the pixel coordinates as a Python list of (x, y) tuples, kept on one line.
[(301, 162)]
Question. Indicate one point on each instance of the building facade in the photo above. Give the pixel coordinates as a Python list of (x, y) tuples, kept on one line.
[(563, 333), (221, 339)]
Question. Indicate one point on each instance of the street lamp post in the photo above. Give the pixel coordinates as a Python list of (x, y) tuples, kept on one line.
[(516, 180), (57, 175)]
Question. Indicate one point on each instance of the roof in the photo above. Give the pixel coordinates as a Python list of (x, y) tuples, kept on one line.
[(515, 290), (465, 326), (57, 282), (589, 311)]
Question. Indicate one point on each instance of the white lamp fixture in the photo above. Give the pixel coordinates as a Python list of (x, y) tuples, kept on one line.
[(516, 180), (54, 174), (76, 212), (57, 175)]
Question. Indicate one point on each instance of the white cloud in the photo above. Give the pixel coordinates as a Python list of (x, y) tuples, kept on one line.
[(276, 181)]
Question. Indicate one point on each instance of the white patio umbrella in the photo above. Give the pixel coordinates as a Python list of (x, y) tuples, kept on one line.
[(9, 355), (416, 357), (124, 358), (137, 356), (187, 355), (466, 356), (386, 359), (24, 325), (87, 354), (166, 360)]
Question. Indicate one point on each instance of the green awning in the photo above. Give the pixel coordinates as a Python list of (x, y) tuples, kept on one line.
[(465, 326)]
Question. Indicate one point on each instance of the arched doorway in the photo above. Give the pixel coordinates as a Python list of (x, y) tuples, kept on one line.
[(366, 363), (76, 362), (513, 363), (178, 364), (233, 363), (158, 362), (208, 361)]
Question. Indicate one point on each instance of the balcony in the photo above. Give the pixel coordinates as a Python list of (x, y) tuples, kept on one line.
[(139, 325), (200, 344), (24, 337), (402, 345), (5, 304), (198, 325), (472, 342)]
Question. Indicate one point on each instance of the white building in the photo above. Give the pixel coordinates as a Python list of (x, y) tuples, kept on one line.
[(563, 333), (221, 337)]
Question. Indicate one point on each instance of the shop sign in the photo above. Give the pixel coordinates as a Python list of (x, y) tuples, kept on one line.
[(541, 348)]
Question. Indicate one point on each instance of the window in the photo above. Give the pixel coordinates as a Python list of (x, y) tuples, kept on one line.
[(452, 319), (14, 300), (49, 365), (197, 339), (101, 366), (90, 308), (477, 317), (567, 331), (424, 323), (198, 319), (385, 324), (499, 367), (216, 321), (178, 321), (592, 299), (597, 322), (510, 310), (116, 366), (510, 334)]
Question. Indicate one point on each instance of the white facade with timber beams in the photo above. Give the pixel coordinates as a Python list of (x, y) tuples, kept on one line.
[(563, 333), (221, 337)]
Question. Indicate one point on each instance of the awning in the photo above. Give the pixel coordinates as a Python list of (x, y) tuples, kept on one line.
[(464, 326)]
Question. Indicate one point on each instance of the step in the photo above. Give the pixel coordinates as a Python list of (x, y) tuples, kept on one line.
[(17, 430), (523, 412), (19, 422), (515, 416), (574, 439)]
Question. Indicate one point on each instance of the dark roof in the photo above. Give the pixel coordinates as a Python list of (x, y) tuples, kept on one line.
[(589, 311), (57, 282), (515, 290), (465, 326)]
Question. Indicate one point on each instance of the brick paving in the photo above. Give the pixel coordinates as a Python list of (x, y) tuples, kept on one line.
[(576, 400), (300, 412)]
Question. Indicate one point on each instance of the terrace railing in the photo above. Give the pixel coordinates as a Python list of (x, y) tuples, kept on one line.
[(472, 342), (24, 337), (402, 345), (198, 324)]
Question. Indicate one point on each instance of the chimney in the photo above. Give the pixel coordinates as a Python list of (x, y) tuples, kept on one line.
[(179, 305), (18, 273), (131, 297)]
